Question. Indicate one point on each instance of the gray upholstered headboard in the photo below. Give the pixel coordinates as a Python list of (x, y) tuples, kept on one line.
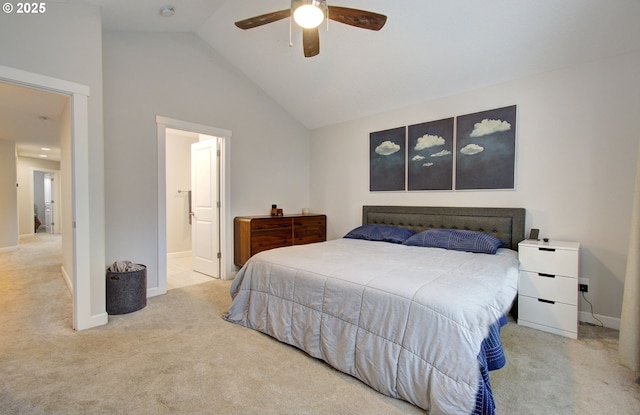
[(507, 224)]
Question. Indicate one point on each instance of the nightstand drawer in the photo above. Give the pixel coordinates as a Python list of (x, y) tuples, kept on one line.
[(549, 287), (553, 315), (549, 260)]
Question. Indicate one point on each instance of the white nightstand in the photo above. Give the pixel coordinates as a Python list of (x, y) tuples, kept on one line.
[(548, 286)]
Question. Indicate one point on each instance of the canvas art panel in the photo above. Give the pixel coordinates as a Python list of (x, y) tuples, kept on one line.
[(387, 160), (485, 149), (430, 155)]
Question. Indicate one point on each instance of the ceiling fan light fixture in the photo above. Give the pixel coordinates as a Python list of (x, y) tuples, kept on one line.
[(309, 14), (318, 11)]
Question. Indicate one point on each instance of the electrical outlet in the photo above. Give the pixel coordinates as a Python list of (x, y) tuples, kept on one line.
[(583, 285)]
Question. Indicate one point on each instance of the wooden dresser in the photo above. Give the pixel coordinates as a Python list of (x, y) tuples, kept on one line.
[(253, 234)]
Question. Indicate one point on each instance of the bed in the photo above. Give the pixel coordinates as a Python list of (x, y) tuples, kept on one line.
[(417, 323)]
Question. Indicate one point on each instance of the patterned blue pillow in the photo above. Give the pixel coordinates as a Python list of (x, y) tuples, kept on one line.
[(455, 239), (382, 233)]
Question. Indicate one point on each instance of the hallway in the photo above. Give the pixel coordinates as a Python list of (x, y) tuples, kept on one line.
[(37, 263), (30, 277)]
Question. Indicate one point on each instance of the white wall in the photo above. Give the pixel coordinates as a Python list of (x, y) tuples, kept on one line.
[(8, 196), (577, 140), (178, 178), (26, 166), (66, 43), (180, 77)]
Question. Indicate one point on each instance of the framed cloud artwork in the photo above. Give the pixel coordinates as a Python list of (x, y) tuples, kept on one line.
[(485, 149), (387, 161), (430, 155)]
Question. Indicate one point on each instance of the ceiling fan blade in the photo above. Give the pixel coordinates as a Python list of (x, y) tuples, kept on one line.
[(263, 19), (310, 42), (357, 18)]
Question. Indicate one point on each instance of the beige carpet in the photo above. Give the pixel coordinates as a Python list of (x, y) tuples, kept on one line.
[(177, 356)]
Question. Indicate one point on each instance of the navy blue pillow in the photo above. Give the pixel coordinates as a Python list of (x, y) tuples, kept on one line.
[(455, 239), (382, 233)]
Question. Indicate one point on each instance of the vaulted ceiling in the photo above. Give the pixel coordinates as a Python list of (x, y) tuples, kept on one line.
[(427, 49)]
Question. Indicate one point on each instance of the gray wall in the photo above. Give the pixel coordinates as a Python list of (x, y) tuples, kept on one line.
[(577, 141), (576, 151), (180, 77), (172, 75), (66, 43)]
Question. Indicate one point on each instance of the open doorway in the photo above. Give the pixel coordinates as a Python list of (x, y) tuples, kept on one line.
[(46, 202), (192, 185), (76, 258), (193, 203)]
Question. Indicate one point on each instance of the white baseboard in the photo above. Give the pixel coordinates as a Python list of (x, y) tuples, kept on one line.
[(610, 322), (94, 320), (67, 279), (154, 292), (229, 275), (179, 254), (97, 320), (9, 248)]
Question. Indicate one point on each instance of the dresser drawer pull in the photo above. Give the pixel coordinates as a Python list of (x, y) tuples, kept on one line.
[(547, 249), (546, 301), (546, 275)]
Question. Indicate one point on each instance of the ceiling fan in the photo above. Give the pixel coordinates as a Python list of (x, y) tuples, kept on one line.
[(309, 14)]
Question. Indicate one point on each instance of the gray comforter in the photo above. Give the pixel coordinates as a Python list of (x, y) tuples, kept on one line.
[(408, 321)]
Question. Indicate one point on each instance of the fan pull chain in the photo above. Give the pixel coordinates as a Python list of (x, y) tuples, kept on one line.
[(327, 19), (290, 23)]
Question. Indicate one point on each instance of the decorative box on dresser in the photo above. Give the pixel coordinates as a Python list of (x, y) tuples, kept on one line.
[(548, 286), (253, 234)]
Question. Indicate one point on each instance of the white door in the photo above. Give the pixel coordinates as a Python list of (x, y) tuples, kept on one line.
[(204, 207), (48, 203)]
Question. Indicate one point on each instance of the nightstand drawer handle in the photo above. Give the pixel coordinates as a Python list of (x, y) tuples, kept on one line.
[(546, 301), (547, 249), (546, 275)]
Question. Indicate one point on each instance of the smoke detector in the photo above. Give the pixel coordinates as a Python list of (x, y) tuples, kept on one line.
[(167, 11)]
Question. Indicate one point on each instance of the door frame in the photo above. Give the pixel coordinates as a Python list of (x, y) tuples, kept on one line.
[(226, 242), (79, 122)]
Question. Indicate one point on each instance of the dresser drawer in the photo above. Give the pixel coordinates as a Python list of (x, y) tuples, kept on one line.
[(308, 230), (558, 316), (549, 287), (309, 238), (549, 260), (271, 240), (316, 221), (271, 224)]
